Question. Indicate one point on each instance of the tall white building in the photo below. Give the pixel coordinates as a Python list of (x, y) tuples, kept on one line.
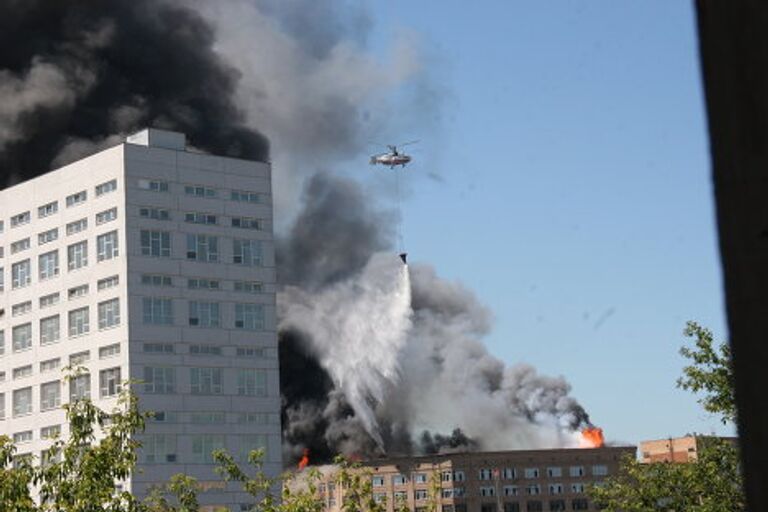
[(145, 261)]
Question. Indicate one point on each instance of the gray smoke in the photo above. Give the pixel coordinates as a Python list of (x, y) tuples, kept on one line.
[(440, 378)]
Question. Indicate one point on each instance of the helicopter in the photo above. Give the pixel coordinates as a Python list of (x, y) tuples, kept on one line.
[(394, 157)]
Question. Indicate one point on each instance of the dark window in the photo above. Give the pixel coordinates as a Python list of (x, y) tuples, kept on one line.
[(487, 507), (580, 504), (511, 506), (556, 504), (534, 506)]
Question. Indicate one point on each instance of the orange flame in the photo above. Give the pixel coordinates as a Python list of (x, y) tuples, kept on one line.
[(592, 437), (304, 459)]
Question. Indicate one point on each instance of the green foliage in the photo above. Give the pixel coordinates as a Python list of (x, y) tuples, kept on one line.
[(712, 483), (711, 372)]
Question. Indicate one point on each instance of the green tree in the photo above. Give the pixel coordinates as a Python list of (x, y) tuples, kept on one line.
[(713, 482)]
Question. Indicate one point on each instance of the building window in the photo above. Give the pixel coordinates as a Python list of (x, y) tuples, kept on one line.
[(555, 488), (20, 245), (22, 337), (109, 313), (77, 291), (79, 321), (208, 418), (77, 226), (244, 196), (399, 480), (22, 437), (202, 248), (49, 330), (246, 223), (204, 314), (156, 243), (106, 216), (21, 274), (200, 218), (20, 219), (156, 280), (109, 351), (50, 365), (80, 358), (48, 265), (246, 252), (109, 382), (580, 504), (77, 198), (22, 372), (21, 308), (251, 382), (531, 472), (253, 442), (22, 401), (534, 506), (206, 381), (204, 284), (204, 445), (158, 448), (509, 473), (50, 395), (533, 489), (556, 505), (48, 236), (207, 350), (199, 191), (554, 472), (107, 282), (157, 311), (487, 507), (458, 476), (377, 481), (599, 470), (249, 317), (511, 490), (154, 213), (107, 246), (577, 488), (158, 348), (248, 286), (49, 300), (154, 185), (2, 342), (576, 471), (80, 387), (77, 255), (2, 279), (50, 431), (48, 209), (159, 380), (484, 474), (109, 186), (487, 491), (251, 352)]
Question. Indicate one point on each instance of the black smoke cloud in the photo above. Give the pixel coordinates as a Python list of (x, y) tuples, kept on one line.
[(76, 75)]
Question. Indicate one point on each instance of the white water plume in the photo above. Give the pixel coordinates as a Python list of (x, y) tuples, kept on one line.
[(359, 326)]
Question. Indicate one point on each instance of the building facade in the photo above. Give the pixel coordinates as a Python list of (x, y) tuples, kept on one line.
[(675, 449), (510, 481), (149, 262)]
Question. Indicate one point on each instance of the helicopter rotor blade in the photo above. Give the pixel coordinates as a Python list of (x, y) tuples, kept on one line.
[(409, 143)]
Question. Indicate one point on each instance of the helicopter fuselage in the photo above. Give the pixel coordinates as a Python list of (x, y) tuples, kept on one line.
[(390, 159)]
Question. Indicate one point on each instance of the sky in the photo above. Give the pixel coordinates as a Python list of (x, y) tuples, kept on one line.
[(566, 181)]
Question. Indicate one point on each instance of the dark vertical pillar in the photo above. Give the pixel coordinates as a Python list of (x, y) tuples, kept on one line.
[(733, 41)]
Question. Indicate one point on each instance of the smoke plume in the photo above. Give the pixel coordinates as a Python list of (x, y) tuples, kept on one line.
[(376, 357)]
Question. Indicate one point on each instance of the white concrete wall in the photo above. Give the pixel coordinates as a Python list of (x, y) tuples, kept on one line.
[(130, 163)]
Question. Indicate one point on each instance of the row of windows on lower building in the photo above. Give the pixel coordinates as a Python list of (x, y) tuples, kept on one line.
[(200, 247), (510, 506), (507, 473), (507, 490), (157, 380)]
